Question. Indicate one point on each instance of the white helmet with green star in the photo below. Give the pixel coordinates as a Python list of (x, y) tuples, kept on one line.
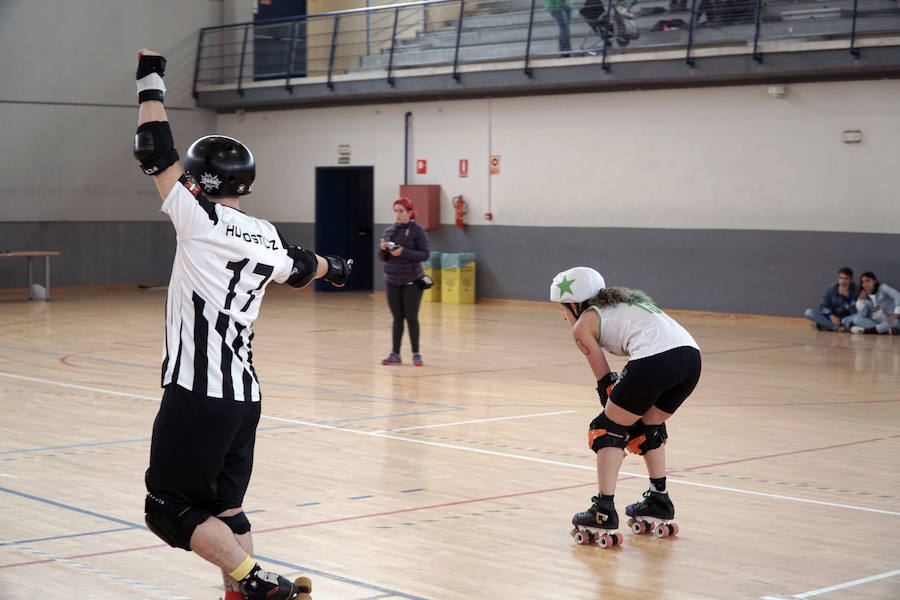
[(576, 285)]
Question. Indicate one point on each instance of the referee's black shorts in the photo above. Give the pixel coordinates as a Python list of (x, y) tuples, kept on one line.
[(201, 454), (663, 380)]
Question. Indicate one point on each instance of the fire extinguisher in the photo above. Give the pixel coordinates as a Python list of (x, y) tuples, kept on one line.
[(459, 206)]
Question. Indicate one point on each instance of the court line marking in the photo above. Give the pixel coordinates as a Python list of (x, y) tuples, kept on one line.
[(839, 586), (501, 454), (547, 414)]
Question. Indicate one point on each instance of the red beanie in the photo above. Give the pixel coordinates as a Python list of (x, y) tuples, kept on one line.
[(408, 205)]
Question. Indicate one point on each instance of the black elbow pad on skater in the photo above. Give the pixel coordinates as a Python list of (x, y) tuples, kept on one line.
[(305, 266), (605, 386), (154, 147)]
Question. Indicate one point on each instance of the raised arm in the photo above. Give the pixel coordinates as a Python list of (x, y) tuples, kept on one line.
[(154, 146)]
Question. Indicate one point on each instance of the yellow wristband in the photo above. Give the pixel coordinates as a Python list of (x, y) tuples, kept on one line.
[(243, 569)]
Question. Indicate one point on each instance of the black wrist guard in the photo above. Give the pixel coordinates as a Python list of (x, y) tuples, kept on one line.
[(149, 75), (605, 386), (154, 147), (338, 270)]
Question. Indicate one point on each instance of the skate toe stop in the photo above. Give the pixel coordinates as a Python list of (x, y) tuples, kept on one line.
[(304, 585)]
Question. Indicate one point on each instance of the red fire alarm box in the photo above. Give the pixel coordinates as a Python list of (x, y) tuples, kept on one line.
[(427, 201)]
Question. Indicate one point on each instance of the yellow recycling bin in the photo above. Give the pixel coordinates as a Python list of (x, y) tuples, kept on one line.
[(432, 268), (458, 278)]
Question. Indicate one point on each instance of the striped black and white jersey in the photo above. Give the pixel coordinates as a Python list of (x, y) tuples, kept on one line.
[(223, 262)]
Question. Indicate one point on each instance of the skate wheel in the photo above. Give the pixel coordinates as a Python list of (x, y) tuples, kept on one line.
[(638, 527), (304, 585), (582, 537), (660, 531), (618, 539), (605, 541), (673, 529)]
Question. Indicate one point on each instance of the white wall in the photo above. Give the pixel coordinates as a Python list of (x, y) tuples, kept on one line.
[(729, 158), (68, 108)]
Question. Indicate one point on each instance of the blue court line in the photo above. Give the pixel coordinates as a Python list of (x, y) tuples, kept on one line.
[(308, 504), (113, 443), (360, 497), (412, 490), (340, 578), (409, 414), (267, 559), (73, 508), (71, 535), (86, 444)]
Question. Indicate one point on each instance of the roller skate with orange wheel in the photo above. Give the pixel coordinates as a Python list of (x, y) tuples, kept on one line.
[(263, 585), (597, 524), (654, 513)]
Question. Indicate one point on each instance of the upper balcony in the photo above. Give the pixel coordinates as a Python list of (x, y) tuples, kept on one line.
[(467, 48)]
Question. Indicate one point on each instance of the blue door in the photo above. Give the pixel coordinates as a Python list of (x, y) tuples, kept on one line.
[(344, 215)]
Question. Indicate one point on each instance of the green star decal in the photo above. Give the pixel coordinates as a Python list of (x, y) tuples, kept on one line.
[(565, 286)]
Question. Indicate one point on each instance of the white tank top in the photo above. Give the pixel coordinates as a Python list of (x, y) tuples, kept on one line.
[(639, 330)]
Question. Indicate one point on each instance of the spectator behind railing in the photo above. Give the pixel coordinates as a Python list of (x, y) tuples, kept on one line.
[(726, 12), (836, 309), (878, 307), (561, 10)]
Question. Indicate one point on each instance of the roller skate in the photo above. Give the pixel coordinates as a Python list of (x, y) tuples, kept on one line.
[(597, 524), (263, 585), (654, 513)]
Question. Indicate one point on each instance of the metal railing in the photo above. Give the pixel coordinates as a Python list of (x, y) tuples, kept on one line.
[(450, 33)]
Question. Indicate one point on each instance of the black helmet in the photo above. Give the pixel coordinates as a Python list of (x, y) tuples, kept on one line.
[(221, 165)]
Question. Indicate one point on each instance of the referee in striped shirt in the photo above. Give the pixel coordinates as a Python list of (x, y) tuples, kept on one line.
[(201, 453)]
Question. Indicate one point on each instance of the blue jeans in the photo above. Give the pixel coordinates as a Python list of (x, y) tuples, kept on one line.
[(819, 319), (862, 319), (563, 17)]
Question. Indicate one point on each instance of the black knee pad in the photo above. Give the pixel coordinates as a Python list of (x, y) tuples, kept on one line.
[(605, 432), (238, 523), (174, 527), (643, 438)]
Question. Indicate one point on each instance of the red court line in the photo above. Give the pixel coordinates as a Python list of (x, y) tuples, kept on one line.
[(460, 502), (791, 453), (783, 405), (311, 524), (752, 349)]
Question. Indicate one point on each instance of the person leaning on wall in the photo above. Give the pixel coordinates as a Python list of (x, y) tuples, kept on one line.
[(837, 307)]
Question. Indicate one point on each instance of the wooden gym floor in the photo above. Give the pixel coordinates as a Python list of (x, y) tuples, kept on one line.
[(456, 480)]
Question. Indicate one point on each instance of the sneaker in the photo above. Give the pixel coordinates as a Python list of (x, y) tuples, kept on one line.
[(857, 329), (392, 359), (417, 359)]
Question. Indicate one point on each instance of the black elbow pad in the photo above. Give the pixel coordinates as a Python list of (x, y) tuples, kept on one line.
[(154, 147), (305, 266)]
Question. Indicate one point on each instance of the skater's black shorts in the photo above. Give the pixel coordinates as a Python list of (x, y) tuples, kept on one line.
[(201, 454), (663, 380)]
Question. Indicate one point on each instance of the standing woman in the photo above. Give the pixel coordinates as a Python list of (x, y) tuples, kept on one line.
[(663, 369), (404, 246)]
